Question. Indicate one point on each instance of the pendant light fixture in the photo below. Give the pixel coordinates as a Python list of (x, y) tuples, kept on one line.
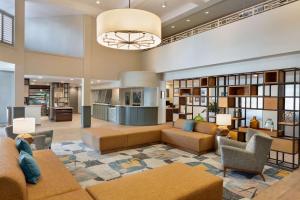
[(128, 29)]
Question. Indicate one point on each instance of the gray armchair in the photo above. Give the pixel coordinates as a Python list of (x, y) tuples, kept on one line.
[(249, 157), (41, 140)]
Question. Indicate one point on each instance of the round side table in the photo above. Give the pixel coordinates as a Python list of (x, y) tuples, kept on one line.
[(26, 136)]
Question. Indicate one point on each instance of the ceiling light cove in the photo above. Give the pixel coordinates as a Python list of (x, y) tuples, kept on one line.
[(128, 29)]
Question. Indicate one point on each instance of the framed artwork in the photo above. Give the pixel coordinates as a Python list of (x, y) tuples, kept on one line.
[(203, 101), (127, 98)]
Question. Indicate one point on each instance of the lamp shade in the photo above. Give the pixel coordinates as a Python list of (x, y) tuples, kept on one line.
[(23, 125), (128, 29), (223, 119)]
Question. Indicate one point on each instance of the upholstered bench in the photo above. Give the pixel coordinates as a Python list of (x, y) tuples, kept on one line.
[(176, 181)]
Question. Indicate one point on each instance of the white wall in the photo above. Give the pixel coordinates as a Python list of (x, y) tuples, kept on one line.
[(271, 33), (15, 54), (150, 97), (261, 64), (55, 35), (7, 84), (37, 63)]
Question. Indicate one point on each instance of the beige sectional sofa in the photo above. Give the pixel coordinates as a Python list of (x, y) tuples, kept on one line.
[(56, 181), (201, 140)]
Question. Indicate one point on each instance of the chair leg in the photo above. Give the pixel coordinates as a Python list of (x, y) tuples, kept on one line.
[(224, 171), (262, 176)]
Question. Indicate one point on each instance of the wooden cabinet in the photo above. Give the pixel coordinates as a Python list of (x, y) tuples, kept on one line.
[(285, 145), (208, 81), (62, 115), (226, 102), (245, 90), (273, 77)]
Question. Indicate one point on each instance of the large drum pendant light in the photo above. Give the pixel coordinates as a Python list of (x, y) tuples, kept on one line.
[(128, 29)]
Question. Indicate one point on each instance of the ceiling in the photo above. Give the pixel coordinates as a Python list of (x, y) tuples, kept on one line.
[(177, 16)]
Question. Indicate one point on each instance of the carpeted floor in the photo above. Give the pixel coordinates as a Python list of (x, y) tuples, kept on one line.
[(90, 168)]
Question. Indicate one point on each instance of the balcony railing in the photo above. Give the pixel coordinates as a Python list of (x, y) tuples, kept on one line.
[(240, 15), (7, 28)]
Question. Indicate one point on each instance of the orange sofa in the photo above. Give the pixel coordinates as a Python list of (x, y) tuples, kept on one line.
[(172, 182), (56, 181), (201, 140)]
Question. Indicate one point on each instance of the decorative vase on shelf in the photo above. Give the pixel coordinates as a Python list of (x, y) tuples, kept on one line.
[(254, 123)]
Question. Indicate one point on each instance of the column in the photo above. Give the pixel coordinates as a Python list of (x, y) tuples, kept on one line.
[(86, 103)]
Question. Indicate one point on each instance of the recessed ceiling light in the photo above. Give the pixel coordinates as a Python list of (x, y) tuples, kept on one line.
[(98, 2), (72, 79), (173, 26), (164, 4), (187, 20), (206, 12), (92, 82)]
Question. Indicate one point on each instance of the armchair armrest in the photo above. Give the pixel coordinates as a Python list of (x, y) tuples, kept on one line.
[(39, 141), (238, 158), (48, 133), (228, 142)]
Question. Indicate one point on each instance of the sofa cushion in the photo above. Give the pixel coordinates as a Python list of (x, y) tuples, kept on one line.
[(176, 181), (74, 195), (179, 123), (55, 178), (194, 141), (23, 145), (29, 167), (12, 179), (189, 125), (206, 127), (140, 136)]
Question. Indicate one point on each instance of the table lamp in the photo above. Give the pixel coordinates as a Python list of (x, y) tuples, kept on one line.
[(223, 121), (24, 127)]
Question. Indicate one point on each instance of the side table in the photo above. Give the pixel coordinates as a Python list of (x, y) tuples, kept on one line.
[(26, 136), (220, 133)]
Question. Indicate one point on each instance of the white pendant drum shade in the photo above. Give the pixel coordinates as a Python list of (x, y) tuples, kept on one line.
[(128, 29)]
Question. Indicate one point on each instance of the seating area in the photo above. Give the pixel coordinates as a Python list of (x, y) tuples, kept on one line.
[(56, 182), (149, 99), (107, 140)]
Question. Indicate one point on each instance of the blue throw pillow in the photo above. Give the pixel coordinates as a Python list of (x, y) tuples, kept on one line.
[(189, 125), (23, 145), (29, 167)]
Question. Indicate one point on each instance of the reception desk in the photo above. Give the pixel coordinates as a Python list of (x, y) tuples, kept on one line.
[(127, 115), (137, 115)]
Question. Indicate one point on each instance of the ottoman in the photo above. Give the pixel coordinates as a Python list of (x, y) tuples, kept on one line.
[(176, 181)]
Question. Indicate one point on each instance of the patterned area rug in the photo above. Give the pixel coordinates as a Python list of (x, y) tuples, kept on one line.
[(90, 168)]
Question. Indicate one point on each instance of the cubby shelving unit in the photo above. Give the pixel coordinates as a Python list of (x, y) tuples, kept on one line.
[(271, 95)]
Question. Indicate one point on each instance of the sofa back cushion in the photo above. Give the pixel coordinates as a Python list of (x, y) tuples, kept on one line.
[(12, 179), (206, 127), (189, 125), (179, 123)]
